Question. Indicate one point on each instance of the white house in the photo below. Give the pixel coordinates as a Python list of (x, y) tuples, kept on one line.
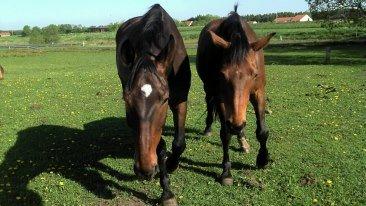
[(297, 18), (303, 18)]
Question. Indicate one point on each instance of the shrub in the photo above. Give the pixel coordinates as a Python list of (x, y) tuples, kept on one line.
[(36, 36), (51, 34), (26, 31)]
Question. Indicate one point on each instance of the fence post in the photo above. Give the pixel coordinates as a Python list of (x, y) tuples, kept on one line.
[(327, 55)]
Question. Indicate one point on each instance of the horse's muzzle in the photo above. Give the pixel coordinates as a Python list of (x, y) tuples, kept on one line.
[(146, 175), (235, 130)]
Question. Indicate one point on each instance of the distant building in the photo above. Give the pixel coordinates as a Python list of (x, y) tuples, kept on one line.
[(98, 29), (297, 18), (189, 22), (252, 22), (4, 33)]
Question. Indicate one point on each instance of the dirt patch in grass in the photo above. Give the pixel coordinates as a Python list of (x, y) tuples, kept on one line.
[(307, 179), (122, 202)]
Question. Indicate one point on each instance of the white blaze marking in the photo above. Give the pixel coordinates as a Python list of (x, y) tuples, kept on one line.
[(146, 89)]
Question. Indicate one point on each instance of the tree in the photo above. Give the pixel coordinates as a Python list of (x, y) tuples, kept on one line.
[(353, 11), (65, 28), (202, 20), (26, 30), (51, 34), (36, 36), (113, 26), (269, 17)]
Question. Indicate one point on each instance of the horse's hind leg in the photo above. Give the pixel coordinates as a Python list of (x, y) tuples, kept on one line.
[(210, 115), (167, 197), (259, 103), (179, 142)]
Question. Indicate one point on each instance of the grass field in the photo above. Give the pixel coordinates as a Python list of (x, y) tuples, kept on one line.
[(64, 141), (290, 32)]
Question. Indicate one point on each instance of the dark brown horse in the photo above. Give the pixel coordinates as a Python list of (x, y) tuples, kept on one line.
[(154, 70), (230, 62), (1, 73)]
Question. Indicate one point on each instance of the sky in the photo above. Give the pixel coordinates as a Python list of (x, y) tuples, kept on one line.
[(17, 13)]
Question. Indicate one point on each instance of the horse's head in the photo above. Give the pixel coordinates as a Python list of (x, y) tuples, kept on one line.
[(237, 73), (146, 96)]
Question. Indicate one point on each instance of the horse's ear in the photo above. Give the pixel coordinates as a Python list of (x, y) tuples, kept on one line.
[(127, 52), (169, 49), (218, 41), (261, 43)]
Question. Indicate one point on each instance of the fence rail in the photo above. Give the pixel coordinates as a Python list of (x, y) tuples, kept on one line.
[(46, 46)]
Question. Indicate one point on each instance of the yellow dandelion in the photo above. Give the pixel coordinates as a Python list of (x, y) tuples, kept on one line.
[(328, 183)]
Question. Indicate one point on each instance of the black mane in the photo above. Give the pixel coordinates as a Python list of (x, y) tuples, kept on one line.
[(232, 30), (154, 34), (154, 38)]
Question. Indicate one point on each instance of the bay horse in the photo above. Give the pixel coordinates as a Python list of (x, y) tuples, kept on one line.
[(1, 73), (230, 63), (154, 70)]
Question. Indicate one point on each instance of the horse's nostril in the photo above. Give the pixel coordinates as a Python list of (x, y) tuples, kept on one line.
[(146, 175), (238, 128), (136, 170)]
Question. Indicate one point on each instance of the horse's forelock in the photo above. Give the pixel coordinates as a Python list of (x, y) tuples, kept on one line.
[(154, 32), (231, 29)]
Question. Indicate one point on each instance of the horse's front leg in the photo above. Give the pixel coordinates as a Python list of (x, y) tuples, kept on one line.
[(259, 104), (179, 143), (210, 115), (225, 178), (167, 198)]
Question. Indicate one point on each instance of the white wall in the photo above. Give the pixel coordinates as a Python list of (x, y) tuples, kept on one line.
[(306, 18)]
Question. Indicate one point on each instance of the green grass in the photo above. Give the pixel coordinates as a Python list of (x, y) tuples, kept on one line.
[(289, 32), (63, 138)]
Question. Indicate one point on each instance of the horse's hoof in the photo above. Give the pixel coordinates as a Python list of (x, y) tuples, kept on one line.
[(207, 133), (262, 159), (227, 181), (170, 202)]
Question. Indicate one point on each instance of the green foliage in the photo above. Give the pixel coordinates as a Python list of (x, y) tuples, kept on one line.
[(48, 35), (36, 36), (51, 34), (270, 17), (26, 31), (290, 32), (179, 23), (352, 12), (65, 28), (202, 20), (114, 26)]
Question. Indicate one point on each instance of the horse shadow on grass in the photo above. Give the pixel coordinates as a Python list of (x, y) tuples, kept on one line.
[(76, 154), (73, 154)]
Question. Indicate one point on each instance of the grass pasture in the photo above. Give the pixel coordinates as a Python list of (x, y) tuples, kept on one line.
[(64, 140), (289, 32)]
